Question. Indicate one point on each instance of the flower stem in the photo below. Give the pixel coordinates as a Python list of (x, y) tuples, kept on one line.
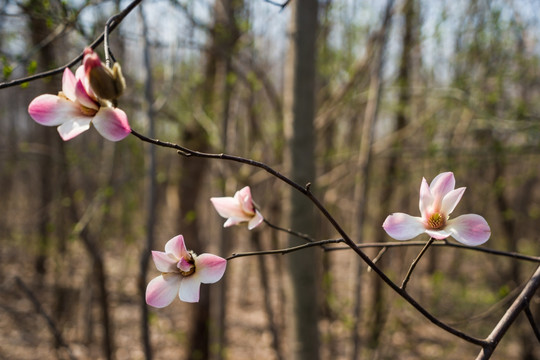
[(289, 231), (413, 265)]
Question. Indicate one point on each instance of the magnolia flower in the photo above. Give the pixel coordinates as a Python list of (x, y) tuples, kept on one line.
[(76, 107), (238, 209), (182, 273), (437, 201)]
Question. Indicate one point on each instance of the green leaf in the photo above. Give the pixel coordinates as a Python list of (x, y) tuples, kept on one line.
[(7, 70), (32, 67)]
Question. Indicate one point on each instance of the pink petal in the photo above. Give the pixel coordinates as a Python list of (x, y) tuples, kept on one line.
[(164, 262), (83, 98), (450, 201), (401, 226), (68, 84), (52, 110), (438, 234), (80, 75), (426, 199), (209, 268), (189, 289), (162, 290), (470, 229), (229, 207), (255, 221), (111, 123), (177, 247), (243, 196), (73, 127), (440, 186), (91, 60)]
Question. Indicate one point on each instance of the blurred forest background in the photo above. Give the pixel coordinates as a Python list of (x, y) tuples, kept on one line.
[(401, 90)]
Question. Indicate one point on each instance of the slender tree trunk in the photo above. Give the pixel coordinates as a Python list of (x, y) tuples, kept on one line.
[(151, 189), (226, 33), (299, 117), (36, 13), (391, 174), (363, 162)]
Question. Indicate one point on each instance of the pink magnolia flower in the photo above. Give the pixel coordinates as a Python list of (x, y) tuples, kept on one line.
[(76, 107), (437, 201), (182, 273), (238, 209)]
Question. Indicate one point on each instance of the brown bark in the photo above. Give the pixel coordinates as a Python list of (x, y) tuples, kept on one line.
[(299, 123)]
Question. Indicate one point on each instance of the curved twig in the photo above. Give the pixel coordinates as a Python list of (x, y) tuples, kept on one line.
[(292, 232), (286, 250), (444, 243), (116, 21)]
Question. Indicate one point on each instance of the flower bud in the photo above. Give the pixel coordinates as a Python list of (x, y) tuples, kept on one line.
[(106, 83)]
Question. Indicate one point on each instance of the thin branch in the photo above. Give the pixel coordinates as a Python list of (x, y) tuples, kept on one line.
[(106, 47), (117, 20), (280, 5), (530, 317), (286, 250), (345, 238), (289, 231), (415, 261), (50, 323), (378, 257), (443, 243)]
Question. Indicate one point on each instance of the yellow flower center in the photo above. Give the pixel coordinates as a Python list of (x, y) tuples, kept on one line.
[(436, 221)]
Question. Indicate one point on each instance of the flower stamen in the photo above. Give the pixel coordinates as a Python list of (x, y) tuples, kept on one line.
[(436, 221)]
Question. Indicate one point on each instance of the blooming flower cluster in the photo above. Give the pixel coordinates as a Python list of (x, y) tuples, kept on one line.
[(89, 97), (77, 105), (182, 273), (437, 201)]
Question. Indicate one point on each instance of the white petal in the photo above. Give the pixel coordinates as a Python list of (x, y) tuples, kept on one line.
[(401, 226), (440, 186), (438, 234), (426, 199), (189, 289), (68, 84), (177, 247), (228, 207), (164, 262), (244, 198), (210, 268), (470, 229), (74, 127), (255, 220), (450, 201), (52, 110), (111, 123), (162, 290)]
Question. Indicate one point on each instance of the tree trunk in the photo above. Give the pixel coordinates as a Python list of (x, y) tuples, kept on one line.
[(299, 117), (151, 189), (362, 168)]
